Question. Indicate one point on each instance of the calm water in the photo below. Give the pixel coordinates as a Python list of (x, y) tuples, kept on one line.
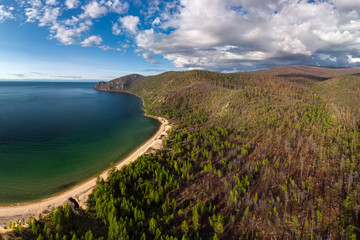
[(55, 135)]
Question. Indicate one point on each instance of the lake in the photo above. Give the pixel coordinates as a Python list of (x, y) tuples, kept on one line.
[(54, 135)]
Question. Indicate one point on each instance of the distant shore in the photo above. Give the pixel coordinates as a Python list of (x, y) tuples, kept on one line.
[(80, 193)]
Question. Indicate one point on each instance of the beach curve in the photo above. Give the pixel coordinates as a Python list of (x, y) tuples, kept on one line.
[(24, 212)]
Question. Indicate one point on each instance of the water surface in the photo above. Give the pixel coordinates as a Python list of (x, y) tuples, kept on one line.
[(56, 135)]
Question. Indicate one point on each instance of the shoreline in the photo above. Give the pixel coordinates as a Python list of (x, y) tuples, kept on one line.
[(80, 192)]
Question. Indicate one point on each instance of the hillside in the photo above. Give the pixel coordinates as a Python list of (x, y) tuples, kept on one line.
[(121, 83), (293, 147), (258, 155)]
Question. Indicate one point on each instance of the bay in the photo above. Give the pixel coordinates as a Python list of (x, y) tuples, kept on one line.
[(54, 135)]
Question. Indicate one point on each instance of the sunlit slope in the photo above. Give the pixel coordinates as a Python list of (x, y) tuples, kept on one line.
[(287, 162), (343, 93)]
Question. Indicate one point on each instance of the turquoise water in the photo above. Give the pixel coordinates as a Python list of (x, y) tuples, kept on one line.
[(56, 135)]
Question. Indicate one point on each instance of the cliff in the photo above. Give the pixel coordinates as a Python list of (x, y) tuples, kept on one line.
[(119, 84)]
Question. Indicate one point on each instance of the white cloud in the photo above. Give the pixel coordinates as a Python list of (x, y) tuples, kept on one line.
[(5, 13), (351, 59), (222, 35), (91, 41), (49, 16), (68, 35), (327, 57), (71, 22), (45, 14), (66, 31), (117, 6), (130, 23), (69, 30), (72, 3), (33, 11), (116, 30), (94, 10), (105, 47), (346, 5), (35, 3), (334, 37), (51, 2), (212, 34), (150, 57), (152, 8), (156, 21), (125, 45)]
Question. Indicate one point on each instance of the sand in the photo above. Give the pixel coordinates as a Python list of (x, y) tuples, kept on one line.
[(80, 193)]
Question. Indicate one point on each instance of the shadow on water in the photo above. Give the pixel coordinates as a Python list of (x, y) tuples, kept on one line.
[(66, 186)]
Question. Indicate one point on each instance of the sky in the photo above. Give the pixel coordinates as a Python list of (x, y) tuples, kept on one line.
[(105, 39)]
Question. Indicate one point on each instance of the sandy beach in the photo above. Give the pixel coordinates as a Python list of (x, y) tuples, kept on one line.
[(80, 192)]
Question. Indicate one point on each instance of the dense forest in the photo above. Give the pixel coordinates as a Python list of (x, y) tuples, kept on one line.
[(257, 155)]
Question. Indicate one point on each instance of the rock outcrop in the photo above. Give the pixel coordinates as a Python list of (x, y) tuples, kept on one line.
[(119, 84)]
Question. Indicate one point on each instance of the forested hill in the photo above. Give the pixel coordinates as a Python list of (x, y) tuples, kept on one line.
[(272, 153), (259, 155), (120, 84)]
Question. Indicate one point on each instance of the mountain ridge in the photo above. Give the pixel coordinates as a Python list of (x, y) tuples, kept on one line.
[(312, 73)]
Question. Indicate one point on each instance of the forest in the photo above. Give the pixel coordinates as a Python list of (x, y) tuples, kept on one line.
[(257, 155)]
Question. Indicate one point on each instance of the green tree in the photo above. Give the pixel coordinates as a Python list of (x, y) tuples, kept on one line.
[(184, 227), (152, 226), (89, 235)]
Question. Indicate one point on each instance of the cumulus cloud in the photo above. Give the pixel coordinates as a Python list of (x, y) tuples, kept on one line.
[(117, 6), (238, 34), (152, 8), (68, 35), (33, 10), (150, 57), (51, 2), (351, 59), (105, 47), (65, 31), (48, 13), (96, 9), (70, 4), (49, 16), (218, 35), (156, 21), (5, 13), (346, 5), (91, 41), (116, 29), (93, 10), (129, 23)]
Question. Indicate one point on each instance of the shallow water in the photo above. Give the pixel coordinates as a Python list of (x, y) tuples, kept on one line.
[(56, 135)]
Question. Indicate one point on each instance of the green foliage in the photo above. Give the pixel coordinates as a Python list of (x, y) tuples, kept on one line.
[(152, 226), (184, 227), (12, 225), (19, 229), (89, 235), (250, 156), (217, 222)]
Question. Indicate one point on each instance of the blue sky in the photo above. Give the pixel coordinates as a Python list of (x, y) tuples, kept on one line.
[(29, 50), (104, 39)]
